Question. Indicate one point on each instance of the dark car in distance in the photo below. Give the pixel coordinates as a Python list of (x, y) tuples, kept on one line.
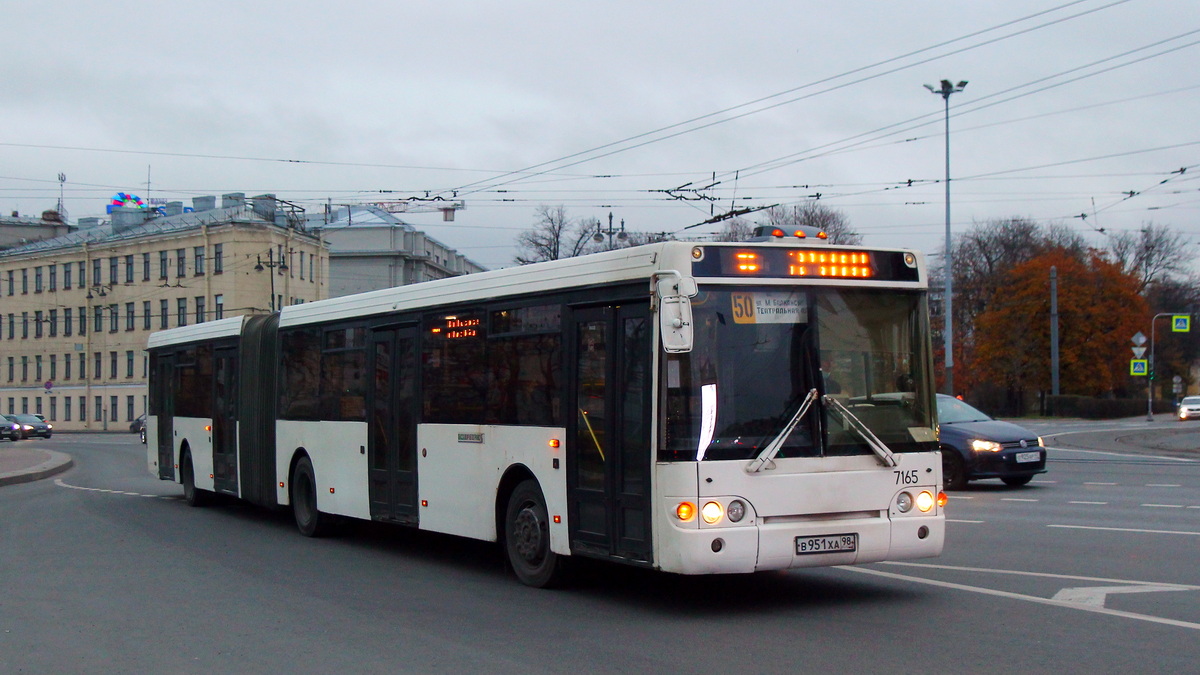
[(10, 429), (31, 425), (975, 446)]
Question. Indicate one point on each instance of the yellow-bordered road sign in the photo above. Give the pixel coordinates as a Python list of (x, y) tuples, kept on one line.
[(1140, 367)]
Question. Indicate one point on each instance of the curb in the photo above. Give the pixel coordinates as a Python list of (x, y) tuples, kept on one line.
[(58, 463)]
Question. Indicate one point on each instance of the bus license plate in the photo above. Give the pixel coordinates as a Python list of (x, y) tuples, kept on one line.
[(830, 543), (1023, 457)]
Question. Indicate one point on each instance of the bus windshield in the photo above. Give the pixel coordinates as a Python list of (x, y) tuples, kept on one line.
[(759, 352)]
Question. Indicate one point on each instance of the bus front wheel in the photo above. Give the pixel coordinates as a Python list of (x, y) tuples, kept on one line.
[(309, 519), (527, 537)]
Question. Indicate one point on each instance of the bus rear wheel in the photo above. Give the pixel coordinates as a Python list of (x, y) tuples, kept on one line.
[(527, 537), (309, 519), (193, 495)]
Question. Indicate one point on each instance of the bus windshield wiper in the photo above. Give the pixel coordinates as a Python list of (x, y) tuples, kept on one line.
[(772, 449), (886, 457)]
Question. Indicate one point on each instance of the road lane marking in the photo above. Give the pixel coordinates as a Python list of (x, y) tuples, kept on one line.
[(1125, 529), (1045, 575), (1092, 503), (1163, 485), (949, 520), (1029, 598), (1163, 506), (1017, 499), (59, 482), (1096, 595), (1099, 483)]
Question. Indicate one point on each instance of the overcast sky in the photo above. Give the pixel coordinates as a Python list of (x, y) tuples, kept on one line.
[(1071, 108)]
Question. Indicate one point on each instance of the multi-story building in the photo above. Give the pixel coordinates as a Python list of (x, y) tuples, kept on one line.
[(370, 249), (76, 309)]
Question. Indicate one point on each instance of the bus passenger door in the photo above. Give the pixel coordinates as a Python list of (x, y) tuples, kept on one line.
[(165, 377), (391, 419), (608, 457), (224, 420)]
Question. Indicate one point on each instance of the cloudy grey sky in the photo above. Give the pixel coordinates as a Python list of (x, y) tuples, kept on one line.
[(1073, 107)]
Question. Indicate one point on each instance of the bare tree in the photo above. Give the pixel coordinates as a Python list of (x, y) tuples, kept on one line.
[(1151, 254), (555, 236), (813, 214), (736, 229)]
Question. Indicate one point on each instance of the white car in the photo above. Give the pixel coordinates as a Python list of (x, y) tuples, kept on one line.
[(1189, 408)]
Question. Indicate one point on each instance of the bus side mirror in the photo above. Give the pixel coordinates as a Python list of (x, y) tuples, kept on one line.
[(675, 311)]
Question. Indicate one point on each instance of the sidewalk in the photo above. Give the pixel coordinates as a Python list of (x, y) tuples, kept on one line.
[(22, 465)]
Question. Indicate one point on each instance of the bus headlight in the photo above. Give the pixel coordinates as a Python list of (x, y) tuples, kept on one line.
[(736, 511), (925, 502), (712, 512), (904, 502)]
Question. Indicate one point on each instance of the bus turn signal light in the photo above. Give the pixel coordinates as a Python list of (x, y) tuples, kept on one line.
[(686, 511), (943, 499)]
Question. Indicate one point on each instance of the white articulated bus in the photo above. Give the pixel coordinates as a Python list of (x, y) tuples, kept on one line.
[(693, 408)]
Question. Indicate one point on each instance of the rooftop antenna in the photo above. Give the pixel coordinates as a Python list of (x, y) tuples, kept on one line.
[(62, 209)]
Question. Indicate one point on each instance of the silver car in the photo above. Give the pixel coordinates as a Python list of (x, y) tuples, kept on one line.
[(1189, 408)]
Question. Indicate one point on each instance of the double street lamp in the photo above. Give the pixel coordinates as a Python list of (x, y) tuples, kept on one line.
[(271, 264), (948, 330)]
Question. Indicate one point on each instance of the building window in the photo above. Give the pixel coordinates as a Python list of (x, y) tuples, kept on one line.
[(82, 321), (164, 313), (218, 307), (37, 279), (162, 265), (53, 409), (24, 325), (24, 281), (66, 366), (82, 409), (114, 321), (24, 368), (82, 276), (37, 405), (128, 408), (200, 309), (96, 272), (66, 276), (129, 364), (66, 408), (12, 326), (53, 322), (146, 314), (53, 367), (129, 316), (11, 283), (129, 269), (99, 409), (112, 370), (12, 368), (53, 271), (301, 265), (37, 368), (112, 408), (37, 324), (112, 270), (98, 320), (12, 409), (198, 258), (24, 405), (145, 267), (180, 263), (182, 314), (67, 327), (218, 259), (83, 367), (98, 366)]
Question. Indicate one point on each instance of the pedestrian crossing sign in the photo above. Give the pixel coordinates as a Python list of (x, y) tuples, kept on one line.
[(1181, 323), (1139, 367)]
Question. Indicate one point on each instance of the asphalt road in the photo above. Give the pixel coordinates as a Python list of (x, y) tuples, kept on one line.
[(1092, 567)]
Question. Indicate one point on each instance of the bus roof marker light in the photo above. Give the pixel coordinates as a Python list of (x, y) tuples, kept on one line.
[(910, 259), (697, 253)]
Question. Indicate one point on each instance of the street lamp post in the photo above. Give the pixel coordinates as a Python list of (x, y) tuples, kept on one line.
[(620, 234), (271, 264), (948, 331)]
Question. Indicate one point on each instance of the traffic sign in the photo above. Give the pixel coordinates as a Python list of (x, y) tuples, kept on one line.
[(1139, 367), (1181, 323), (1139, 339), (1138, 352)]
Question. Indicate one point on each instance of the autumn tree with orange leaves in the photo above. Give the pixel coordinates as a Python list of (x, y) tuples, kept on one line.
[(1099, 308)]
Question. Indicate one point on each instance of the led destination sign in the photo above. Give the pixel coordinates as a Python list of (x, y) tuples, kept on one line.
[(806, 263)]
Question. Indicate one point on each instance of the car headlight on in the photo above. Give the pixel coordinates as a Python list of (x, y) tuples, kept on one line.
[(49, 427), (980, 445)]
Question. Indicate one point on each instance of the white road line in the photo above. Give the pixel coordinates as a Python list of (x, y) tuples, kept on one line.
[(1092, 503), (1096, 595), (1163, 506), (59, 482), (949, 520), (1044, 575), (1017, 499), (1125, 529), (1163, 485), (1028, 598), (1099, 483)]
